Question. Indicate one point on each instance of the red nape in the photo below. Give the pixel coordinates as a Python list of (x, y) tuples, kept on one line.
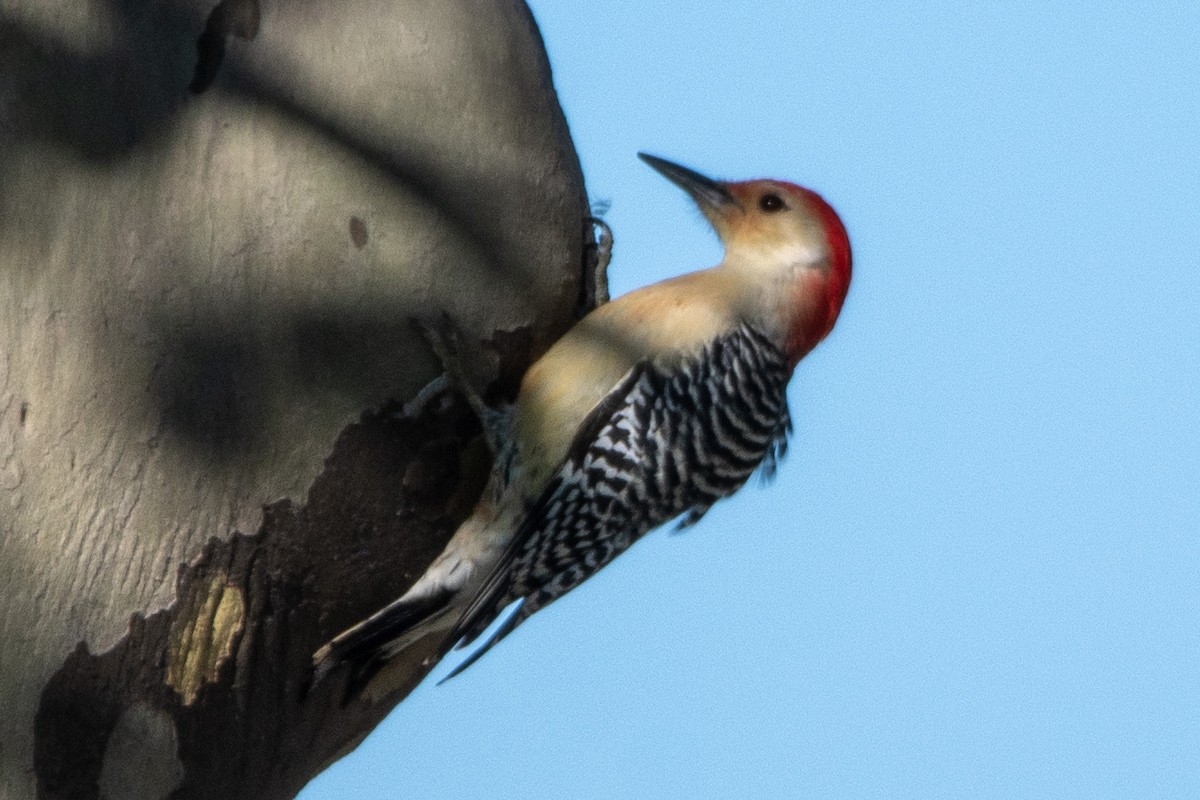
[(839, 257)]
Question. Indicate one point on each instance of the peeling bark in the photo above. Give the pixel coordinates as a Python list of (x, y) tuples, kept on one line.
[(206, 339), (219, 666)]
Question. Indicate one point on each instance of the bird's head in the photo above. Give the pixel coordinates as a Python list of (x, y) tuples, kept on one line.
[(775, 230)]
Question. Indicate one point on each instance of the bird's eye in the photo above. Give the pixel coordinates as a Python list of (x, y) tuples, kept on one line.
[(771, 203)]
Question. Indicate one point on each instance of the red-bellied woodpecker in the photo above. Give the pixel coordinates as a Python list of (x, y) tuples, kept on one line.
[(653, 406)]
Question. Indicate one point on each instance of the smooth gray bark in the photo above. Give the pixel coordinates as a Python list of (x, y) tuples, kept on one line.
[(205, 336)]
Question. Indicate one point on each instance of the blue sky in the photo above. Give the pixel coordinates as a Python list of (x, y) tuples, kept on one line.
[(978, 572)]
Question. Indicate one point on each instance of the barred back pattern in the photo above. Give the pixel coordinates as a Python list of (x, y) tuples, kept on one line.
[(666, 443)]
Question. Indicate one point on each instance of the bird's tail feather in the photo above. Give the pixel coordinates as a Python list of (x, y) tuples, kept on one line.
[(370, 644), (515, 618)]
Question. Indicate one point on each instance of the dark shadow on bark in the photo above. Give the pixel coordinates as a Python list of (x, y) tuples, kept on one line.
[(106, 107), (217, 385), (99, 106), (210, 389)]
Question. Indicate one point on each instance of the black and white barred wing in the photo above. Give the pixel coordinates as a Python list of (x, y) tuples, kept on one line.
[(665, 442)]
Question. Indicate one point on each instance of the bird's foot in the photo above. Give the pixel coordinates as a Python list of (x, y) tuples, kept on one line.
[(446, 341)]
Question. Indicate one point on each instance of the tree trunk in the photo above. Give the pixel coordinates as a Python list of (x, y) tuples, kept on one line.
[(216, 227)]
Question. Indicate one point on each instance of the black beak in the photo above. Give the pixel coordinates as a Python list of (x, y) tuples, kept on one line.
[(707, 193)]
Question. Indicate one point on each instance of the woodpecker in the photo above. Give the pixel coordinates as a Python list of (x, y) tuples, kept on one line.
[(653, 407)]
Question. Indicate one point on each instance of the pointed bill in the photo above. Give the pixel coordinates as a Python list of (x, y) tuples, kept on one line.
[(708, 194)]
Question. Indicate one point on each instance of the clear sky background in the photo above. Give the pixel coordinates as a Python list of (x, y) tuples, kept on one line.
[(978, 572)]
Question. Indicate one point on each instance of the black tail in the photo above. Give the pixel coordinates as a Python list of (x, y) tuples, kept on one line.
[(363, 647)]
